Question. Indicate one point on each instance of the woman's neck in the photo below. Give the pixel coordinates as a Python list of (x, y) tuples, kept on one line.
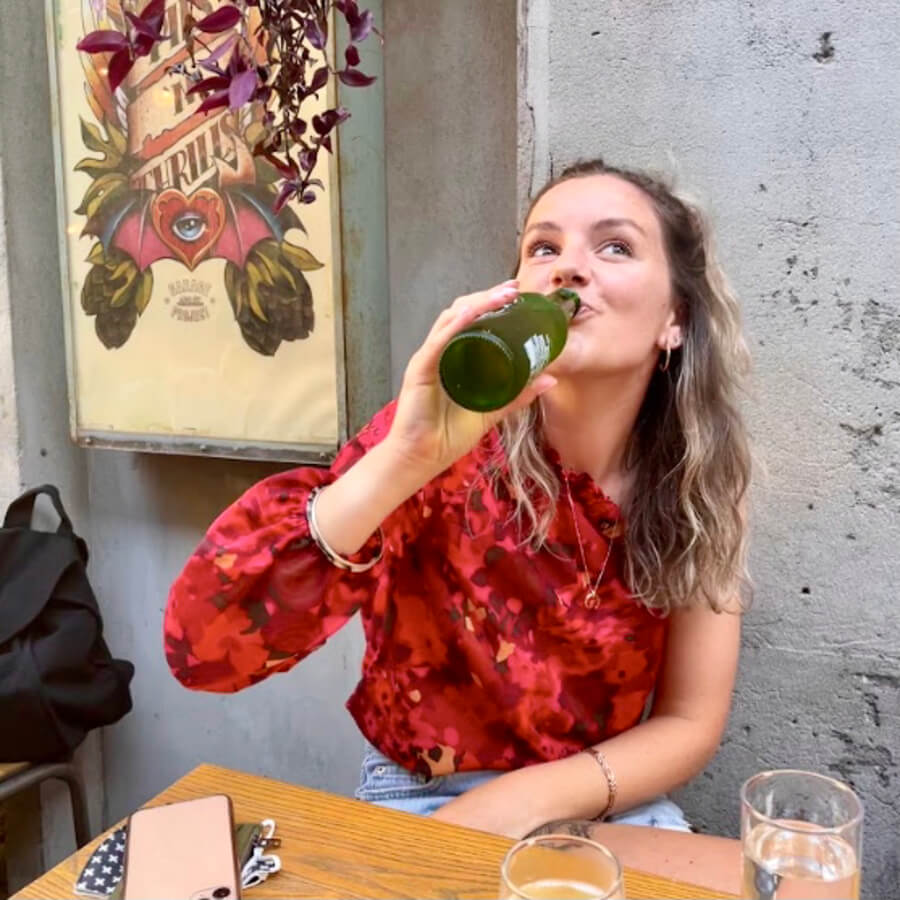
[(589, 424)]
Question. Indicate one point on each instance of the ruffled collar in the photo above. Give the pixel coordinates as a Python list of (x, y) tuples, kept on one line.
[(586, 493)]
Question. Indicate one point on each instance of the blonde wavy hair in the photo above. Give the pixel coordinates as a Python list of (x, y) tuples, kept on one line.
[(685, 524)]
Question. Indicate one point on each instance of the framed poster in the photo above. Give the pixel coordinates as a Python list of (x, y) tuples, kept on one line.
[(198, 319)]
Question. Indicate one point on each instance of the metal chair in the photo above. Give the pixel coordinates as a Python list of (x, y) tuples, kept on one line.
[(15, 777)]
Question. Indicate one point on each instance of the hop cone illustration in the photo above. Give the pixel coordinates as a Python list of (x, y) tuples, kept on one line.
[(271, 297), (116, 293)]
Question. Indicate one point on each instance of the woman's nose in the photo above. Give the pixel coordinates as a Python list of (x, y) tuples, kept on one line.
[(569, 273)]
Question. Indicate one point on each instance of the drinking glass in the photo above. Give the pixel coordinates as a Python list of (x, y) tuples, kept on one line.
[(561, 867), (801, 835)]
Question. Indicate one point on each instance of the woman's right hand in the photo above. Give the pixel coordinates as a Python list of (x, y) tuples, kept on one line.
[(430, 432)]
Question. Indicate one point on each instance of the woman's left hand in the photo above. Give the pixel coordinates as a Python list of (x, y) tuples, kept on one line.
[(499, 806)]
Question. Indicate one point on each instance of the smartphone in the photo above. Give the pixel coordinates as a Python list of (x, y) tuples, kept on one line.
[(182, 851)]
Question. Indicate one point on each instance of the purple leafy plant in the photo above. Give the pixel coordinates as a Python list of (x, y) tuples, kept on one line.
[(292, 34)]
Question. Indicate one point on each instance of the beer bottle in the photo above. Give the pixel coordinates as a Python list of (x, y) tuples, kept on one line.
[(487, 365)]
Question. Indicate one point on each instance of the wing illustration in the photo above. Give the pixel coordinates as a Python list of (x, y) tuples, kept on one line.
[(206, 224)]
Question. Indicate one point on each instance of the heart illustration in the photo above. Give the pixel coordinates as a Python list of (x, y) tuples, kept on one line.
[(188, 225)]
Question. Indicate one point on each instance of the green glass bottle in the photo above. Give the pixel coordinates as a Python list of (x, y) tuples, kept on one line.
[(487, 365)]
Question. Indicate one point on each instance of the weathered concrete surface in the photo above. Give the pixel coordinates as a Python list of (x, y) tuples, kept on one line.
[(785, 119), (34, 446), (450, 103), (9, 421)]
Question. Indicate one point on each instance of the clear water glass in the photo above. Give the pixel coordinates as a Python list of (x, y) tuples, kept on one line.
[(801, 836)]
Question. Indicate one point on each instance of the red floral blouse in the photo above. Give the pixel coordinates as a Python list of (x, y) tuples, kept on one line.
[(480, 653)]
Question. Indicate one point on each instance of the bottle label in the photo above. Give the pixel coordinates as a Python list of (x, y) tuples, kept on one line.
[(537, 349)]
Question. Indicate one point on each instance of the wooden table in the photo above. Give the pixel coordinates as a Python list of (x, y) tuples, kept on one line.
[(335, 847)]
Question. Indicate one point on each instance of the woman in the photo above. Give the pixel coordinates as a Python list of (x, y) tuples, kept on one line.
[(528, 579)]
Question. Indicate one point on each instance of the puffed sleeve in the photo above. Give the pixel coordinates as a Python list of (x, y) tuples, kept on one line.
[(258, 595)]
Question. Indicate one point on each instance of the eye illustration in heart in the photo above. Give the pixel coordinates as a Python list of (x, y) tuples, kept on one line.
[(188, 225)]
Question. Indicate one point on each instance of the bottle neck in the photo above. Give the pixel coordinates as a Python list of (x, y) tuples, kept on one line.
[(568, 300)]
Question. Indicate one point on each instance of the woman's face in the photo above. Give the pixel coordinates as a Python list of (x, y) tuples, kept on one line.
[(600, 236)]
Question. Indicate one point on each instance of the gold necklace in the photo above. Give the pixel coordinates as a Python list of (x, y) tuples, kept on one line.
[(591, 600)]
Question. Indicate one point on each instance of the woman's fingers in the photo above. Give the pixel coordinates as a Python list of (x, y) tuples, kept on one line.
[(492, 298)]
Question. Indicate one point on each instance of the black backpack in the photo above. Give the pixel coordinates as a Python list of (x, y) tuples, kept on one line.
[(57, 678)]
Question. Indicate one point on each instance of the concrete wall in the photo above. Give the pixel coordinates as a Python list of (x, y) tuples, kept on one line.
[(9, 421), (451, 126), (451, 157), (784, 118), (34, 447)]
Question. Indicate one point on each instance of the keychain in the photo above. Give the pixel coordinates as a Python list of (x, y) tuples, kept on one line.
[(261, 865)]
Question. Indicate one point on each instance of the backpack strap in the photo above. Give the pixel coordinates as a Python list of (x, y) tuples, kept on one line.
[(21, 510)]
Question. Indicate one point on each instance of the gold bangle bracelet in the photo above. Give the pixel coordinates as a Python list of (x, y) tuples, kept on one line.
[(610, 780)]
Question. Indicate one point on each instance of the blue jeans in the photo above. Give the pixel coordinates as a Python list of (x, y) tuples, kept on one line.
[(385, 783)]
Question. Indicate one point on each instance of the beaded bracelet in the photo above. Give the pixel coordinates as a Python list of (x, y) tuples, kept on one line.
[(331, 555), (610, 781)]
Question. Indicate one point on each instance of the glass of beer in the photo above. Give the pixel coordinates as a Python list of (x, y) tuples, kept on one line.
[(561, 867), (802, 837)]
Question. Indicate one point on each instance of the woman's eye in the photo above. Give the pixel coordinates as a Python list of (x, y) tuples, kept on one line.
[(615, 248), (541, 248)]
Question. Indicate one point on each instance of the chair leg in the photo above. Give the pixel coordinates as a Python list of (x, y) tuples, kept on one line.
[(78, 799), (65, 771)]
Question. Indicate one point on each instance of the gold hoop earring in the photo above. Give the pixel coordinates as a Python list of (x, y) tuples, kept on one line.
[(664, 366)]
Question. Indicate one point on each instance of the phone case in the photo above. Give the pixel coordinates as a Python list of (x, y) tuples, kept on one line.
[(182, 851), (101, 875), (103, 871)]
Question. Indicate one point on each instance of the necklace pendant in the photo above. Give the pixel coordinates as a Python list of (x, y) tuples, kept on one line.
[(591, 599)]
